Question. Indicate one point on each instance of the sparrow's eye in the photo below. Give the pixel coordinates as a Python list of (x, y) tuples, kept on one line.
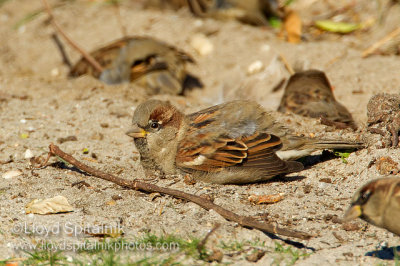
[(154, 125), (364, 197)]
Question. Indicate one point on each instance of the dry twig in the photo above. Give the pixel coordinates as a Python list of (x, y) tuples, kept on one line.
[(287, 64), (244, 221), (86, 55), (203, 242)]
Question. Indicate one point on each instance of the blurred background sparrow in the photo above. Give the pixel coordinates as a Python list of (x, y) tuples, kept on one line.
[(378, 202), (253, 12), (148, 62), (234, 142), (309, 93)]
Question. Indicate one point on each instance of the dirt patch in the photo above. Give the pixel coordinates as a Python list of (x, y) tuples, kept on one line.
[(40, 105)]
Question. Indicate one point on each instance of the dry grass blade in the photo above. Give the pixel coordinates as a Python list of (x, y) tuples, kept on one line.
[(370, 50), (86, 55)]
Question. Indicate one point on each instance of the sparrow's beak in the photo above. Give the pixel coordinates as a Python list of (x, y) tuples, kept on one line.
[(136, 132), (352, 213)]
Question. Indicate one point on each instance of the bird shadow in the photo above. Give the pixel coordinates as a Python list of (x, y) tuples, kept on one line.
[(388, 253), (286, 179), (62, 165), (310, 161), (293, 243)]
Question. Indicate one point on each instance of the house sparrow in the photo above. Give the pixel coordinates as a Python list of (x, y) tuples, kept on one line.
[(309, 93), (383, 111), (236, 142), (378, 202), (150, 63), (254, 12)]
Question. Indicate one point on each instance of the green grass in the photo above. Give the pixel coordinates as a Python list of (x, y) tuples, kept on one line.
[(110, 252), (45, 257), (2, 2), (183, 251), (27, 18), (288, 255), (343, 154), (396, 255)]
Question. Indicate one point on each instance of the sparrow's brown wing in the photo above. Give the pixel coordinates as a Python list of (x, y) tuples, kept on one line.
[(218, 151), (139, 57), (309, 94), (105, 56)]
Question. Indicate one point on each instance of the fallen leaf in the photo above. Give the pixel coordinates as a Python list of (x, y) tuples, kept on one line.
[(293, 26), (58, 204), (338, 27), (189, 180), (216, 256), (111, 203), (386, 166), (11, 174), (266, 199), (255, 256)]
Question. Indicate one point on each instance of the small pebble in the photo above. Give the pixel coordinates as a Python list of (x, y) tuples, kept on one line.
[(255, 67), (21, 29), (351, 227), (201, 44), (23, 121), (322, 185), (265, 48), (28, 154), (55, 72), (11, 174), (198, 23)]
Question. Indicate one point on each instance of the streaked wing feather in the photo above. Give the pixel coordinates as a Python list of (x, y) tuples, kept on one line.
[(237, 152)]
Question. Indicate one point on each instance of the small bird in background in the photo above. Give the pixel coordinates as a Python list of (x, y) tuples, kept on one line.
[(378, 202), (235, 142), (309, 93), (253, 12), (383, 111), (146, 61)]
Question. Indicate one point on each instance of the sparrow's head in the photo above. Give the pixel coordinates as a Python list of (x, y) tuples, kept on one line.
[(157, 120), (371, 200)]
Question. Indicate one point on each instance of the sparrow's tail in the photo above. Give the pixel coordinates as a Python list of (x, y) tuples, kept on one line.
[(295, 148), (332, 144)]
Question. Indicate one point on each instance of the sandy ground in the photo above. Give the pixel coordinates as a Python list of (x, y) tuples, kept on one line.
[(37, 99)]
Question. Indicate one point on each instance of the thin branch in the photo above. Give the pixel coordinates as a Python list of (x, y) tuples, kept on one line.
[(287, 64), (203, 242), (86, 55), (244, 221)]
